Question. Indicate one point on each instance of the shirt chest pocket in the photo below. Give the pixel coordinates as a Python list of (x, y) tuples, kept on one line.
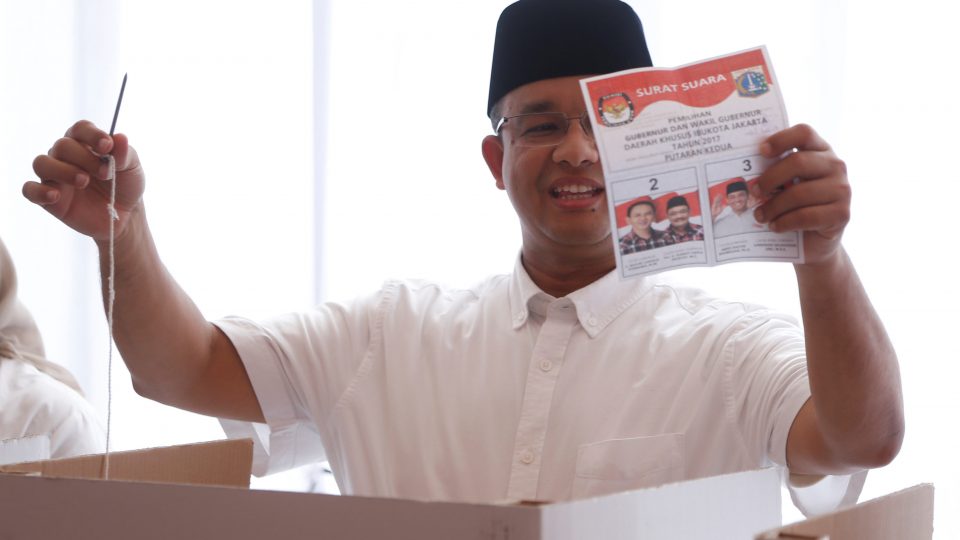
[(624, 464)]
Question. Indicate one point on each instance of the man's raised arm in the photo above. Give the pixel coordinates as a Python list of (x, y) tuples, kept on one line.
[(854, 418), (174, 355)]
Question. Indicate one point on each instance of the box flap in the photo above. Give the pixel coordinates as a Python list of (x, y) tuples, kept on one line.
[(79, 509), (904, 514), (735, 506), (216, 463), (719, 507)]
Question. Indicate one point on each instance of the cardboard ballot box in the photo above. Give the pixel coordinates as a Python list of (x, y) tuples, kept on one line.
[(197, 491), (904, 515), (217, 463)]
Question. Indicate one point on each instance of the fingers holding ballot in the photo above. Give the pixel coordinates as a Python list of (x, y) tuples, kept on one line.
[(73, 176), (818, 204)]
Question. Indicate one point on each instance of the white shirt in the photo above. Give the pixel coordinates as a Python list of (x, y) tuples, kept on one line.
[(729, 222), (502, 392), (33, 403)]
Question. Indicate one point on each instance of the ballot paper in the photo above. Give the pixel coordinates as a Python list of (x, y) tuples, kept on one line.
[(683, 143)]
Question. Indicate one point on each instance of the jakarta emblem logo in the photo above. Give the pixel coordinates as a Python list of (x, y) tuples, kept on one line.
[(751, 82), (615, 109)]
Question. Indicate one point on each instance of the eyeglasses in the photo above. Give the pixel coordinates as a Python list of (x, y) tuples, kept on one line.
[(542, 129)]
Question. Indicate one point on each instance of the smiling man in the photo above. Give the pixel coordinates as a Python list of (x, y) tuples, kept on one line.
[(681, 229), (737, 217), (554, 381)]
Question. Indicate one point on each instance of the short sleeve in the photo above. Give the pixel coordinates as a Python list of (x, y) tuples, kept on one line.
[(299, 365), (767, 375)]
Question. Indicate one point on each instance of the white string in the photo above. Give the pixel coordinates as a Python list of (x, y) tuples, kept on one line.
[(111, 293)]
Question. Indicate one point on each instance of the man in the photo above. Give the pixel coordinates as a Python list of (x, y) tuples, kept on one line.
[(642, 235), (556, 381), (737, 217), (680, 229)]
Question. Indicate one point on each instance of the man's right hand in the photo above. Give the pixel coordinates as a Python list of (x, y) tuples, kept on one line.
[(716, 207), (73, 184), (175, 356)]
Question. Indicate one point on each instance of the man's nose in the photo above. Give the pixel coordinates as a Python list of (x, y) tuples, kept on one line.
[(577, 148)]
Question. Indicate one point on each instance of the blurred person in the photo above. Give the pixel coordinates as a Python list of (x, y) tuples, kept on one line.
[(37, 396)]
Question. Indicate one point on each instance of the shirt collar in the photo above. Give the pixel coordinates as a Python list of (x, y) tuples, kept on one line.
[(522, 290), (597, 304)]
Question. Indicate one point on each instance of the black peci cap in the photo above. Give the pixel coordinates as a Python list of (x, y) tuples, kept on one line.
[(676, 201), (738, 185), (544, 39)]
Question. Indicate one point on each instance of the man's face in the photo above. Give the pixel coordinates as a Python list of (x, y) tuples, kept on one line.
[(678, 216), (640, 218), (737, 201), (557, 191)]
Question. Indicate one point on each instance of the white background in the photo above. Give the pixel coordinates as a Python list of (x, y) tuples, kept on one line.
[(303, 150)]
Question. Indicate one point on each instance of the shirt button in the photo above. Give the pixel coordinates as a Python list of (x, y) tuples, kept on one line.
[(521, 317), (592, 321), (546, 365), (526, 457)]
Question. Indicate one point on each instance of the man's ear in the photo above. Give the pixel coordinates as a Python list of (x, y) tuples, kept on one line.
[(492, 148)]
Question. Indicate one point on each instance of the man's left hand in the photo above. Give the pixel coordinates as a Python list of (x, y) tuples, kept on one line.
[(818, 204)]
